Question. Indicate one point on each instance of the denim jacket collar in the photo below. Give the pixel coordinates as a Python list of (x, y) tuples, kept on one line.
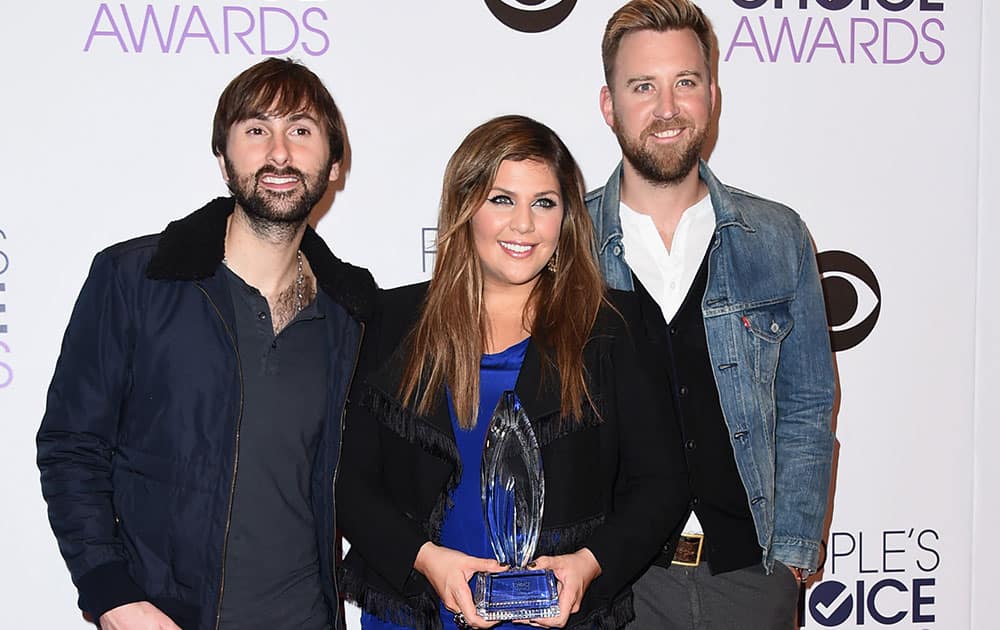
[(727, 211), (608, 225), (607, 222)]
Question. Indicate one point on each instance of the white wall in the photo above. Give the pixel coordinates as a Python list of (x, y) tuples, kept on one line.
[(986, 498), (882, 160)]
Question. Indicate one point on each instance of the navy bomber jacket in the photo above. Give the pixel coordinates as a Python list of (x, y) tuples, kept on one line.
[(137, 448)]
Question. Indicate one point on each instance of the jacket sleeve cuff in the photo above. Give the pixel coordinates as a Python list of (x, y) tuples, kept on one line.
[(107, 586), (795, 552), (612, 577)]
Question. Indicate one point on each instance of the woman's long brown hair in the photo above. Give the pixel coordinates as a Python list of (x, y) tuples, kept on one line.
[(448, 340)]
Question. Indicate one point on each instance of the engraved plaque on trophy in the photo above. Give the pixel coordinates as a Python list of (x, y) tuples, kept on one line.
[(513, 492)]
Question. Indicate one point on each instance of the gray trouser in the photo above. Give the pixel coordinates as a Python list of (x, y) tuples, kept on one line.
[(691, 598)]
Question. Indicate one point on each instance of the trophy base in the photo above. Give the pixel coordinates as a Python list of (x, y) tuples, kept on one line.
[(516, 594)]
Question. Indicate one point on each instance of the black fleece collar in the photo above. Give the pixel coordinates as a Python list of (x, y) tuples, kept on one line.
[(192, 248)]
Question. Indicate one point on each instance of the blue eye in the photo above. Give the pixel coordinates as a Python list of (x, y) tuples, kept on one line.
[(545, 202), (499, 200)]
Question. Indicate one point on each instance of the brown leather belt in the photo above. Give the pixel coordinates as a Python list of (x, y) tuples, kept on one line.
[(689, 548)]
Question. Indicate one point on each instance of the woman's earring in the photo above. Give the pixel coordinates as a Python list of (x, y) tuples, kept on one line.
[(553, 264)]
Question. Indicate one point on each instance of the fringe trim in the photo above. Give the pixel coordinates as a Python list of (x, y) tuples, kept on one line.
[(560, 540), (388, 607), (617, 615), (404, 423), (436, 518), (551, 427)]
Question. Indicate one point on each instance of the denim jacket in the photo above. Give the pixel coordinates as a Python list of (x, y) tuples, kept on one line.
[(766, 327)]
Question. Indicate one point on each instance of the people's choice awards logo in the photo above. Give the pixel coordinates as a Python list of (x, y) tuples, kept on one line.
[(895, 579), (831, 603), (869, 32), (220, 30), (853, 298), (531, 16), (6, 371)]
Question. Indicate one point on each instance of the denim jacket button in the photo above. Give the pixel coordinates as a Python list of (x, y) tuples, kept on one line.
[(617, 251), (775, 327)]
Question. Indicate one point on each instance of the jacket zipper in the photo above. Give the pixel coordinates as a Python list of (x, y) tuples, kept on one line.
[(236, 461), (336, 469)]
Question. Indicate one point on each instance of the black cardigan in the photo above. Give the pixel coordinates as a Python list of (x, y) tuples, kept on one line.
[(614, 482)]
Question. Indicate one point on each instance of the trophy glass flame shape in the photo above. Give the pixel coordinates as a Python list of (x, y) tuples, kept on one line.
[(513, 493)]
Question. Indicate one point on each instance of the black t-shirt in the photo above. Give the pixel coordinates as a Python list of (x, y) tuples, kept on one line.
[(272, 575)]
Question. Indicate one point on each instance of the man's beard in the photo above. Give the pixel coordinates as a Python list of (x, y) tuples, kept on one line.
[(277, 215), (662, 166)]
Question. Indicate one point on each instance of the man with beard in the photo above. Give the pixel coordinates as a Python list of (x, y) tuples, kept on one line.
[(192, 432), (735, 330)]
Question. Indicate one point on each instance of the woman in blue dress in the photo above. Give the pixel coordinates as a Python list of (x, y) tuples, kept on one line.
[(516, 302)]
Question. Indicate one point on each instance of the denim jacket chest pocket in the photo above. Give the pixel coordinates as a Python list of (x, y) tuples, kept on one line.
[(764, 329)]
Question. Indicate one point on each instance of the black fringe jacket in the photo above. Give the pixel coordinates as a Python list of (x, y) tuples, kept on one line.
[(615, 480)]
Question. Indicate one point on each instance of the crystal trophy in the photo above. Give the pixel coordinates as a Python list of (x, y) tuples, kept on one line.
[(513, 493)]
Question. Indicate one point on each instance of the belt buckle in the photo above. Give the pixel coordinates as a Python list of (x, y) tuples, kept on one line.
[(688, 553)]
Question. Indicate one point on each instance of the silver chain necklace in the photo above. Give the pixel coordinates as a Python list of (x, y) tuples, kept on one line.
[(300, 281)]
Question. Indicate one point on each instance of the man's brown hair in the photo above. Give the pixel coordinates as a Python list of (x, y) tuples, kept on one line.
[(654, 15), (277, 87)]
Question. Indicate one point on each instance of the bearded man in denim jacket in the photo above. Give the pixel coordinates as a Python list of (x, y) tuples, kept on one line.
[(735, 328)]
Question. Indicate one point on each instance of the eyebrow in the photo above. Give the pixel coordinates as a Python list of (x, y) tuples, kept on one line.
[(264, 116), (648, 77), (639, 79), (303, 116), (511, 193)]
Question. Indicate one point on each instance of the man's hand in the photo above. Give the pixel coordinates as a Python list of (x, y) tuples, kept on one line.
[(449, 572), (801, 575), (575, 571), (136, 616)]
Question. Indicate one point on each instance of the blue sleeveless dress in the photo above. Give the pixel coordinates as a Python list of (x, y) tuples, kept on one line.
[(464, 528)]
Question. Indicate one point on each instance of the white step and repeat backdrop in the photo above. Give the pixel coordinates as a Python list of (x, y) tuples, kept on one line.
[(876, 119)]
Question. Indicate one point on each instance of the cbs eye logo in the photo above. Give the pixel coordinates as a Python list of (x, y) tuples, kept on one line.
[(531, 16), (853, 298)]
